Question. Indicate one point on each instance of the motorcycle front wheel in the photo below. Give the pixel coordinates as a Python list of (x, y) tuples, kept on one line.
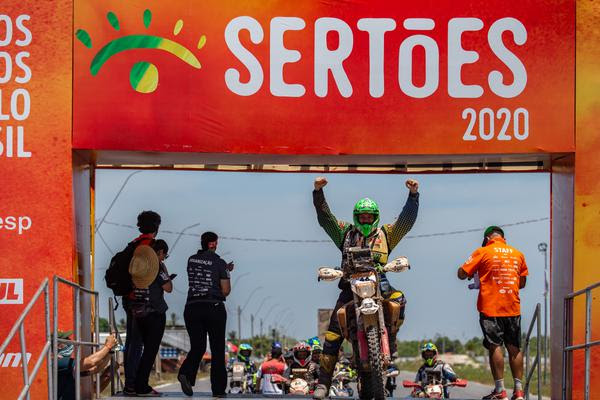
[(372, 385)]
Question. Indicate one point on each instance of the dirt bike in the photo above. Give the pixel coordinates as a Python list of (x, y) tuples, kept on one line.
[(240, 381), (295, 386), (340, 383), (434, 389), (363, 320)]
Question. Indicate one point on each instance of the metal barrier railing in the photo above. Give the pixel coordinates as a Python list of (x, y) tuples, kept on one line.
[(536, 362), (19, 326), (116, 385), (77, 343), (568, 348)]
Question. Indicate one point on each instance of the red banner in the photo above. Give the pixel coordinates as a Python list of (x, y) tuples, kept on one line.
[(367, 77), (36, 224)]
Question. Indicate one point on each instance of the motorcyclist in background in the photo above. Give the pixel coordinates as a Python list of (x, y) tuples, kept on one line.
[(302, 366), (288, 357), (429, 353), (243, 355), (274, 365), (316, 349), (344, 365), (363, 232), (276, 352)]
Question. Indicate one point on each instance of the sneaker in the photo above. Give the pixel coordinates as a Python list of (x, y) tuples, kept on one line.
[(518, 395), (128, 391), (320, 392), (220, 395), (151, 393), (496, 396), (185, 385)]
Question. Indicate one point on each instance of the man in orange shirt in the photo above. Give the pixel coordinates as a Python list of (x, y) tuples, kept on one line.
[(502, 272)]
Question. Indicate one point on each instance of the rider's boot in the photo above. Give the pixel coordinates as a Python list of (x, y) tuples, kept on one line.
[(327, 362)]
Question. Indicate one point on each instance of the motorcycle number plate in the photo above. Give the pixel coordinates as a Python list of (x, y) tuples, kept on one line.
[(238, 369)]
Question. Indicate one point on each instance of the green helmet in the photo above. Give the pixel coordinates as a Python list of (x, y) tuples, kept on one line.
[(244, 352), (315, 343), (429, 347), (366, 206)]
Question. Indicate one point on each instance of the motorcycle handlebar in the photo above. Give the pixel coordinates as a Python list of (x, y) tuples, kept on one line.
[(458, 382)]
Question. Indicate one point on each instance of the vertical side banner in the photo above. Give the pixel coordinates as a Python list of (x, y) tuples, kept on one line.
[(35, 167), (587, 192)]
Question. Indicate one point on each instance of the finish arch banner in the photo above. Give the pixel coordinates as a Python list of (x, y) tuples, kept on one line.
[(367, 77)]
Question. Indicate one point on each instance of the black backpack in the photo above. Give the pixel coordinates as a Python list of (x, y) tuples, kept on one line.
[(117, 275)]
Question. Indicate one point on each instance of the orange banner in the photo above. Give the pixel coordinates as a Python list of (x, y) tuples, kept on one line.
[(366, 77), (587, 194), (35, 161)]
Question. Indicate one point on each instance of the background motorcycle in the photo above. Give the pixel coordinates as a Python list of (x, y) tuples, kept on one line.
[(240, 381), (363, 320), (295, 386), (340, 384), (435, 388)]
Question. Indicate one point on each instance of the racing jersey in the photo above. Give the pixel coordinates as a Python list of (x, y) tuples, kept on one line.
[(500, 268), (381, 241), (441, 369), (269, 368)]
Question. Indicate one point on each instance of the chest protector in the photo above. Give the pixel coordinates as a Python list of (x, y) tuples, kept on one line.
[(376, 241)]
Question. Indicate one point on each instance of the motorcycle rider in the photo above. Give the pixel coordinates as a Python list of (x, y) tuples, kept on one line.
[(288, 357), (274, 365), (243, 355), (276, 351), (317, 350), (363, 232), (429, 353), (344, 365), (302, 366)]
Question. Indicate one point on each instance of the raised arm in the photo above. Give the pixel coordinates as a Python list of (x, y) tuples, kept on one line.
[(405, 221), (335, 229)]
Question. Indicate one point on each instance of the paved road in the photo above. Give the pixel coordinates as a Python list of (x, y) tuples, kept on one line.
[(202, 390)]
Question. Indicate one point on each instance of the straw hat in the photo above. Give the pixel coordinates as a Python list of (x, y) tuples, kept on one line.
[(143, 266)]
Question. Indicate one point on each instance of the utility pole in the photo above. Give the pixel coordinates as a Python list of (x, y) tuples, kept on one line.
[(239, 313), (252, 326), (543, 248), (261, 327)]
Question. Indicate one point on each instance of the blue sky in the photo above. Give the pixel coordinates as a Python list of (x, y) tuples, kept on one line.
[(279, 206)]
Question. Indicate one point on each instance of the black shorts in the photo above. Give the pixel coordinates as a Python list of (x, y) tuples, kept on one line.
[(500, 330)]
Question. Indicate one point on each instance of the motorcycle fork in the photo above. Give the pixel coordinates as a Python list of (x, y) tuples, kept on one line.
[(363, 322), (385, 344)]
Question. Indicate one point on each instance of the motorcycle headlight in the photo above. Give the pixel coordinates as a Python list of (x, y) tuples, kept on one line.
[(364, 288)]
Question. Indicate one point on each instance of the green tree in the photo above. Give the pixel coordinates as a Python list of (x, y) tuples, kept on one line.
[(104, 325)]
